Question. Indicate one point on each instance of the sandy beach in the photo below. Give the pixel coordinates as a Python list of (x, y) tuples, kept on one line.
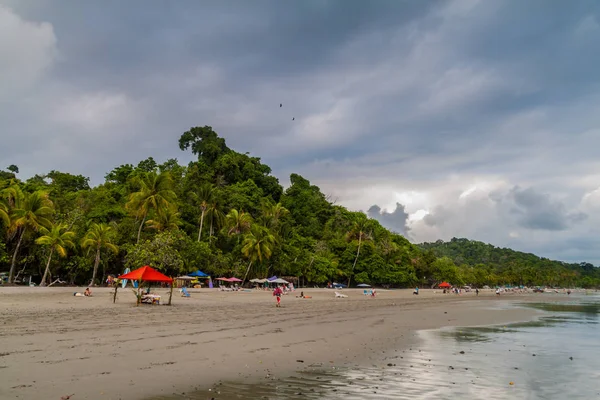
[(53, 344)]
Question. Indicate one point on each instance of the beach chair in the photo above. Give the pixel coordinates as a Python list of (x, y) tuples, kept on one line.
[(184, 292), (365, 292), (338, 295)]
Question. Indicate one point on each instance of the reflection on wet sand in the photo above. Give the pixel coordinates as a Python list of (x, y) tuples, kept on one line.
[(550, 357)]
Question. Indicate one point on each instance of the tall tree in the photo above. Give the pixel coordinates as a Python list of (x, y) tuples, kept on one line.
[(31, 212), (205, 143), (58, 238), (272, 213), (360, 232), (203, 197), (257, 245), (98, 237), (238, 222), (4, 212), (165, 219), (156, 192), (216, 217)]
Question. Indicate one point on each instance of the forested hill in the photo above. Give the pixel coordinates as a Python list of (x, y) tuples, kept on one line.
[(226, 215), (223, 213), (513, 266)]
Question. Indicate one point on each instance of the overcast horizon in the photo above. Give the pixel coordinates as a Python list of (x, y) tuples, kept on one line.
[(441, 119)]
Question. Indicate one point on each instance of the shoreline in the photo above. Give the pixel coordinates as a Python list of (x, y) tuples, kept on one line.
[(57, 344)]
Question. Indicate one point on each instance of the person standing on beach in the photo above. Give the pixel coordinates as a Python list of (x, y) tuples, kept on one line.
[(277, 293), (476, 292)]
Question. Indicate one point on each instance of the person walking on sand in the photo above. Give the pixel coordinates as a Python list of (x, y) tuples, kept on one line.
[(476, 292), (277, 293)]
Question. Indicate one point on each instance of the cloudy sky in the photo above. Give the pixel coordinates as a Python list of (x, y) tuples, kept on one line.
[(476, 119)]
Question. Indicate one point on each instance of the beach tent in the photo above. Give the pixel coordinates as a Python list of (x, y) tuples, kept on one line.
[(234, 280), (279, 280), (146, 274), (198, 274), (363, 285), (444, 285), (271, 279)]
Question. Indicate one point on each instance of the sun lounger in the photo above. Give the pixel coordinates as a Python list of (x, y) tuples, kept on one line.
[(339, 295)]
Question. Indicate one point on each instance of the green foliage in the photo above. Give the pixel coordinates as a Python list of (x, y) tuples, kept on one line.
[(162, 253), (58, 238), (227, 215), (479, 264)]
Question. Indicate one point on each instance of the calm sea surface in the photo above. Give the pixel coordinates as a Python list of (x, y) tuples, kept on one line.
[(554, 357)]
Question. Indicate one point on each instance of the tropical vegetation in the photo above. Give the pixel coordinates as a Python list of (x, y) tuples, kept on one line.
[(226, 214)]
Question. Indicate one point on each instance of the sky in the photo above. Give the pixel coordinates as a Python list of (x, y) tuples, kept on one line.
[(441, 119)]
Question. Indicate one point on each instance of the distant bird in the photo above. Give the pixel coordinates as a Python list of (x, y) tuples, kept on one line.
[(293, 119), (280, 105)]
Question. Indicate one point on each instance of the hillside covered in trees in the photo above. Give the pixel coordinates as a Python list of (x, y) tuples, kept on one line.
[(480, 263), (228, 216)]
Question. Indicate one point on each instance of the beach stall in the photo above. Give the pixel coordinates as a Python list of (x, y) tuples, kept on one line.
[(201, 275), (228, 280), (146, 274), (444, 285), (184, 280)]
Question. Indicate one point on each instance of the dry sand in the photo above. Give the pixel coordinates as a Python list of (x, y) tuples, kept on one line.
[(53, 344)]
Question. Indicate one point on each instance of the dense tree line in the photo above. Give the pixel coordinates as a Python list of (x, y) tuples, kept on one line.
[(224, 214), (470, 261)]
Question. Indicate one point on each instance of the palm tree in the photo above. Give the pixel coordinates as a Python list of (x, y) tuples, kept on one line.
[(99, 236), (203, 197), (4, 212), (358, 231), (30, 213), (58, 238), (238, 222), (156, 192), (272, 214), (166, 219), (257, 245), (216, 217)]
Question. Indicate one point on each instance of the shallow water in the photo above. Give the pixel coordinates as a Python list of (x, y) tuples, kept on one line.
[(555, 356)]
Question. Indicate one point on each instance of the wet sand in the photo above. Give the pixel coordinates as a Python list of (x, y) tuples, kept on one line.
[(53, 344)]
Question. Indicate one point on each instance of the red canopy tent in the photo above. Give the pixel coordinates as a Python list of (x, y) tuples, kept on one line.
[(146, 274), (444, 285)]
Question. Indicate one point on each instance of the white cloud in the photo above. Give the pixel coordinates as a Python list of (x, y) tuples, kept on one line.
[(27, 50), (94, 110)]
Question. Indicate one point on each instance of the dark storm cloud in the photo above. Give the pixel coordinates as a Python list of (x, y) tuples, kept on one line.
[(534, 210), (396, 220)]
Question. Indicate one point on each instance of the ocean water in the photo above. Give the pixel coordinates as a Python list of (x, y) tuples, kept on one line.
[(557, 356)]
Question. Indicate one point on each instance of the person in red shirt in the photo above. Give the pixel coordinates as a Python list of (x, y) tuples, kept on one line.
[(277, 293)]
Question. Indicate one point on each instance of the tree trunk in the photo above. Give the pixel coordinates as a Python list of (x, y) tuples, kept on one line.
[(140, 230), (201, 223), (43, 283), (355, 259), (245, 276), (210, 232), (96, 262), (13, 264)]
